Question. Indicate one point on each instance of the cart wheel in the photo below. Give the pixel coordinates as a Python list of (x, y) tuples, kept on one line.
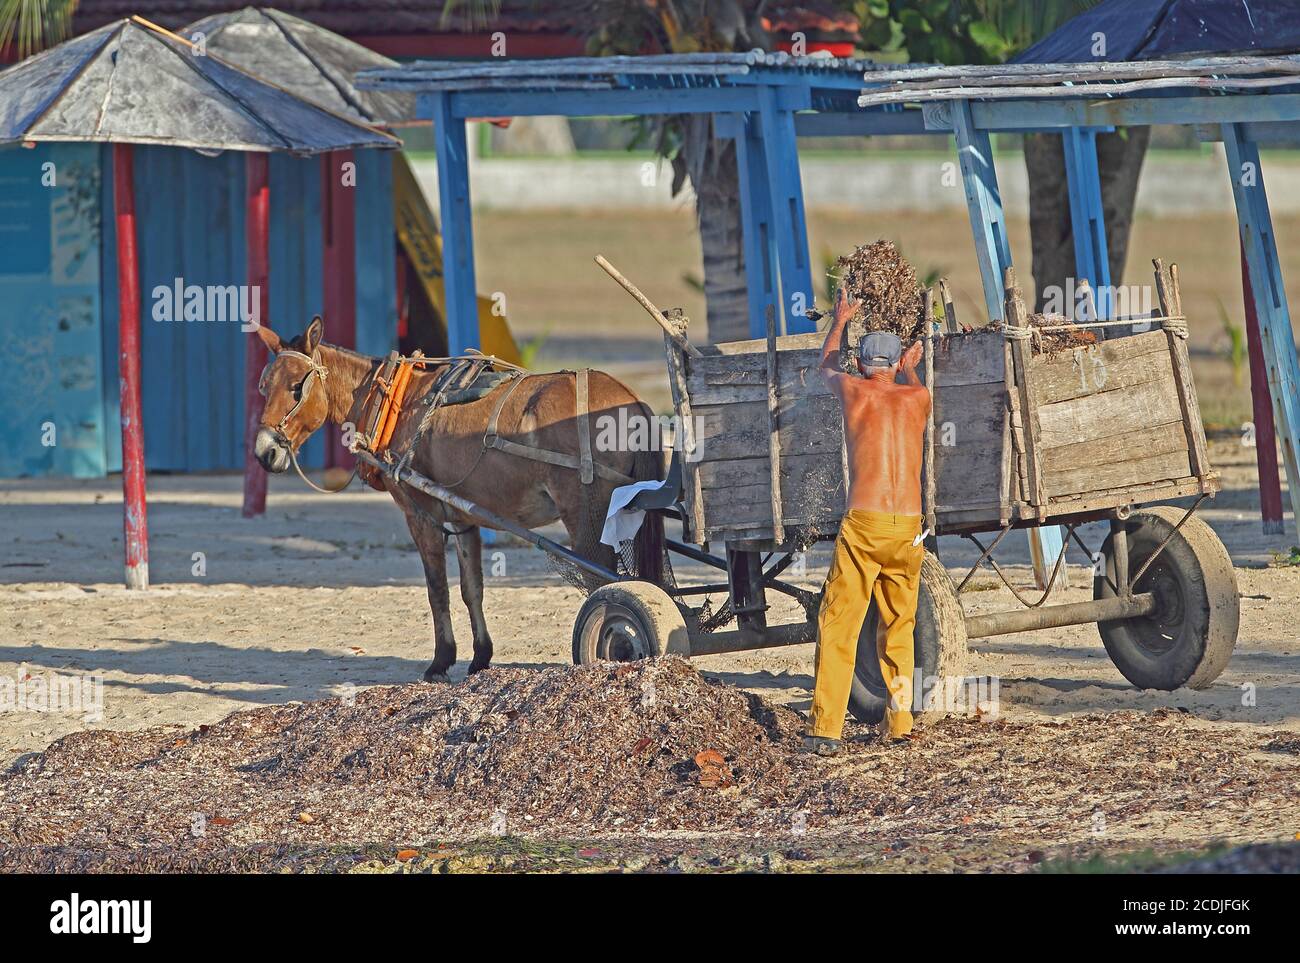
[(1189, 639), (940, 641), (626, 621)]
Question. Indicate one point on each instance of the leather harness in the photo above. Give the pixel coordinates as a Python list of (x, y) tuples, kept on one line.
[(466, 379)]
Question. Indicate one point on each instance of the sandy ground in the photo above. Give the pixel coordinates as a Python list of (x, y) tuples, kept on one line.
[(326, 593)]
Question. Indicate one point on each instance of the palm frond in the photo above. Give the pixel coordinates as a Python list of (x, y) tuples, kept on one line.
[(34, 25)]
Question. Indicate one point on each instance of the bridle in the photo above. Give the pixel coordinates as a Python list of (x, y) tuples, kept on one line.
[(317, 370), (320, 373)]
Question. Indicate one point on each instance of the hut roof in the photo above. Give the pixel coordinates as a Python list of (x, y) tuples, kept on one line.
[(304, 59), (130, 82)]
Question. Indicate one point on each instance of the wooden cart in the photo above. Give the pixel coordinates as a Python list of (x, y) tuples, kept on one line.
[(1019, 437)]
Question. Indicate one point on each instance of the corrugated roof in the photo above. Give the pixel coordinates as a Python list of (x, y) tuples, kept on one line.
[(131, 83), (303, 58)]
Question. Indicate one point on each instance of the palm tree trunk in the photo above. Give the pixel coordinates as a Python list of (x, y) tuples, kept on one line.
[(717, 207), (1119, 165)]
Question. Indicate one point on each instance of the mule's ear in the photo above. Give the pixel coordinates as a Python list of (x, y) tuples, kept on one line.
[(269, 338), (311, 338)]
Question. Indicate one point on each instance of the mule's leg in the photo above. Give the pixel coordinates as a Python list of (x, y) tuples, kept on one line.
[(469, 552), (432, 543)]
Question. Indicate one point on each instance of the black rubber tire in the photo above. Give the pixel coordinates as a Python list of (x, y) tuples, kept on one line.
[(628, 621), (940, 640), (1189, 641)]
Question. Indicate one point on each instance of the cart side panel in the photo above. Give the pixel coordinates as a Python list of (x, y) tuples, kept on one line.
[(1109, 417), (727, 388), (970, 444)]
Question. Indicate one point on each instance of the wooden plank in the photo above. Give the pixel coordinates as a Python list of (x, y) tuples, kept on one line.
[(950, 325), (1117, 497), (930, 489), (1017, 317), (965, 359), (1170, 466), (1105, 366), (970, 414), (691, 443), (1108, 413), (1171, 305), (774, 428), (797, 471), (1032, 73), (813, 426), (794, 383), (748, 369), (1155, 440), (749, 506), (969, 473), (787, 342)]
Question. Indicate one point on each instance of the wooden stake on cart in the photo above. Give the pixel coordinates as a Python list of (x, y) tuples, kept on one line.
[(692, 489), (930, 484), (1018, 319), (669, 329), (1171, 307), (774, 428), (950, 325)]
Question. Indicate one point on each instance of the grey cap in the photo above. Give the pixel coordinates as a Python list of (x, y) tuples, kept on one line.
[(880, 349)]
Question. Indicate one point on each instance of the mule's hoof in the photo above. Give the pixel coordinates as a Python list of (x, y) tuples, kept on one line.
[(431, 676), (478, 667)]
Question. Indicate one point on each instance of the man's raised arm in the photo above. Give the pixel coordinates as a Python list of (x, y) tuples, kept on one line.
[(840, 314)]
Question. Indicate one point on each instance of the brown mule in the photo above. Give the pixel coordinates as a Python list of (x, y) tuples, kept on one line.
[(309, 382)]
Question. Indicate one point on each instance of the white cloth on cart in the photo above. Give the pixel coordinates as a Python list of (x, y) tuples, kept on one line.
[(622, 523)]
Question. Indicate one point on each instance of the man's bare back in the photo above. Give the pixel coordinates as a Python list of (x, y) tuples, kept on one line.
[(884, 425)]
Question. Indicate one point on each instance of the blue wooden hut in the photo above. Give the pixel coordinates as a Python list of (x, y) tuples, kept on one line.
[(59, 408)]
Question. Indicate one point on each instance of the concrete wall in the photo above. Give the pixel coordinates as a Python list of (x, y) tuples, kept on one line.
[(1171, 183)]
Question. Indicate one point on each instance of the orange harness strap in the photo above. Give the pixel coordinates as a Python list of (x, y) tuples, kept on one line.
[(391, 396)]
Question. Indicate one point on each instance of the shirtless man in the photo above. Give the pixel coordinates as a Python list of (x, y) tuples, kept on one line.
[(879, 548)]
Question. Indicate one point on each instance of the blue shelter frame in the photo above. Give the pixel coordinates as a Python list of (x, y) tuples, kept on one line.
[(764, 101)]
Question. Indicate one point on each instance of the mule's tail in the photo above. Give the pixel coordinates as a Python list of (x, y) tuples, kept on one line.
[(648, 546)]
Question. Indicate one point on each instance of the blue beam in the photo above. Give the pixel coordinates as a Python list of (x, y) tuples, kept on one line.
[(1136, 111), (984, 202), (756, 222), (457, 222), (1276, 337), (614, 102), (864, 123), (781, 156), (1087, 220)]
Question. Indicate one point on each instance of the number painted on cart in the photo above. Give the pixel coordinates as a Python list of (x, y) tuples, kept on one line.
[(1092, 370)]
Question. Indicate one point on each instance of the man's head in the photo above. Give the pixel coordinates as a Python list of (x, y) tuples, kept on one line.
[(879, 352)]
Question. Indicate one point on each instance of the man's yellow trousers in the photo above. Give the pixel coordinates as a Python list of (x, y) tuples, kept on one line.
[(874, 558)]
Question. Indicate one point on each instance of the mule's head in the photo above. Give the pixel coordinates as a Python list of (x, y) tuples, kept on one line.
[(293, 384)]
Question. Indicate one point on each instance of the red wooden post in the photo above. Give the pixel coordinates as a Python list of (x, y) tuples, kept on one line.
[(1270, 485), (135, 527), (257, 234), (339, 224)]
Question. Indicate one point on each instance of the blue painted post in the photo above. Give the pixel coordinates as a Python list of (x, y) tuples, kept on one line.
[(1276, 337), (984, 201), (781, 156), (1087, 219), (756, 223), (457, 222)]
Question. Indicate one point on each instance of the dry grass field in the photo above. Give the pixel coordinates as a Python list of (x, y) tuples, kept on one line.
[(541, 260)]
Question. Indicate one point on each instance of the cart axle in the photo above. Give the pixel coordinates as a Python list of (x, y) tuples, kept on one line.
[(1056, 616)]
